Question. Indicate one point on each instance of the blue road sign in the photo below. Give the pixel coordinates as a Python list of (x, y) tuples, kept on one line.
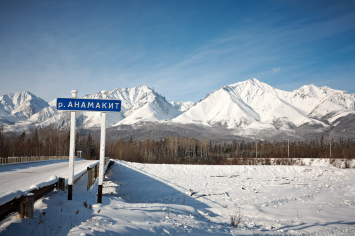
[(81, 104)]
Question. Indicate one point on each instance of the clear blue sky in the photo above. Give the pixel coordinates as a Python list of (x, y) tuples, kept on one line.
[(184, 49)]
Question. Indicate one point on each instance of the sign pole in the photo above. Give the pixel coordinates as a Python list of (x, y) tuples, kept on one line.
[(102, 151), (85, 104), (72, 150)]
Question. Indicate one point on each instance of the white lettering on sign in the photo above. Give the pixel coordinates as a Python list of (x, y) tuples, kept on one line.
[(88, 105)]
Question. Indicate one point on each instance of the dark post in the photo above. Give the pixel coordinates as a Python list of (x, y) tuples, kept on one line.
[(99, 194), (26, 206), (70, 192), (89, 173), (61, 184), (93, 174)]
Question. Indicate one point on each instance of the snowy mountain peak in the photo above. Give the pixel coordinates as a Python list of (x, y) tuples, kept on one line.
[(249, 106), (334, 91), (250, 103), (139, 104), (252, 81), (20, 106), (252, 86), (320, 101), (182, 106), (310, 91), (16, 99), (255, 82)]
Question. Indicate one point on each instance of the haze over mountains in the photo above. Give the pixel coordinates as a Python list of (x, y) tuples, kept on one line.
[(249, 109)]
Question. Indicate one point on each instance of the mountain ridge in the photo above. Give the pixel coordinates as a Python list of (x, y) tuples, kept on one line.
[(246, 107), (15, 107)]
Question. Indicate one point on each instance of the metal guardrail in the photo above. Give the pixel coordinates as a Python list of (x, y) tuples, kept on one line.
[(93, 173), (15, 204), (24, 205), (11, 160), (8, 208)]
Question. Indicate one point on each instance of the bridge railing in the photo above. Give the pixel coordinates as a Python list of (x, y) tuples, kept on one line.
[(11, 160), (93, 172), (23, 202)]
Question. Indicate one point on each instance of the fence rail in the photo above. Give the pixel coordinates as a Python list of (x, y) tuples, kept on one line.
[(29, 159), (24, 204), (18, 204), (93, 173)]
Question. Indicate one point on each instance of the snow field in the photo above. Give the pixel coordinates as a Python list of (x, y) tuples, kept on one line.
[(199, 200), (281, 199), (154, 199)]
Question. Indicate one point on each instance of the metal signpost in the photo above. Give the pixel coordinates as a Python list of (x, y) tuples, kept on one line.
[(81, 104)]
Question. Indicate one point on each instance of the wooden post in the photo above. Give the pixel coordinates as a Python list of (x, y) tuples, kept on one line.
[(26, 206), (95, 176), (61, 184), (89, 173)]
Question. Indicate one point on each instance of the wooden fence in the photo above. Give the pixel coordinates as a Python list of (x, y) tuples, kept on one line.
[(28, 159)]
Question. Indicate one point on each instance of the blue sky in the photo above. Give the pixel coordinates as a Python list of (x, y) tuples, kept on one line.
[(183, 49)]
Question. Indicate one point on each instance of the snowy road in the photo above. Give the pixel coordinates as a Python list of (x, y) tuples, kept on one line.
[(23, 176)]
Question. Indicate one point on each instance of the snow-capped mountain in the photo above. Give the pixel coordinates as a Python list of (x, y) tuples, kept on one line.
[(247, 107), (182, 106), (253, 104), (249, 103), (321, 102), (139, 104), (15, 107), (143, 104)]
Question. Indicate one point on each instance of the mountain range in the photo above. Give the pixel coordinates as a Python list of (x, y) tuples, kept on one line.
[(248, 109)]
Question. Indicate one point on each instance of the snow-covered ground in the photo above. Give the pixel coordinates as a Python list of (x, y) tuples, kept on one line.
[(152, 199)]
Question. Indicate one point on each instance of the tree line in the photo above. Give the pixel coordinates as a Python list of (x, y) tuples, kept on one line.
[(45, 142), (172, 150), (183, 150)]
